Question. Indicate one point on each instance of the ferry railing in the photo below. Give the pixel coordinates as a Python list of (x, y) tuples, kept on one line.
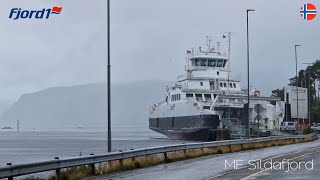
[(11, 170)]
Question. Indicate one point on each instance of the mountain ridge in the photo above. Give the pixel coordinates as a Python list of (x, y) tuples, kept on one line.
[(84, 106)]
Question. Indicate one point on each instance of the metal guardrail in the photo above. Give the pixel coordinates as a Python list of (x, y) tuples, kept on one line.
[(57, 164)]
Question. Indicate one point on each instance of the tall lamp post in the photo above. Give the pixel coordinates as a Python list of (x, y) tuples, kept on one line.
[(309, 93), (248, 61), (109, 79), (295, 51)]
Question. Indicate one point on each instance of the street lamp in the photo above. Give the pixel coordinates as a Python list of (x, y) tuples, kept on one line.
[(309, 93), (295, 51), (248, 61), (109, 79)]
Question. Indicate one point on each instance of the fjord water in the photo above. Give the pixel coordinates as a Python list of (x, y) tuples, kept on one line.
[(34, 146)]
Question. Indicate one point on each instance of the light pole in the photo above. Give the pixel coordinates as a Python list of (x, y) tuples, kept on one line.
[(295, 51), (109, 79), (309, 93), (248, 61)]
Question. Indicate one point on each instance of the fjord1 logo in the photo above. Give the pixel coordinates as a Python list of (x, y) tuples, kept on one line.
[(18, 13), (308, 11)]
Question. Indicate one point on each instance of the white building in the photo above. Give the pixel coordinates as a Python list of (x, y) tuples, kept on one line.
[(291, 98)]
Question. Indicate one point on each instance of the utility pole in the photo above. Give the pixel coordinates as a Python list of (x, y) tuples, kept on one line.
[(248, 66), (109, 79), (295, 51), (18, 126), (229, 54)]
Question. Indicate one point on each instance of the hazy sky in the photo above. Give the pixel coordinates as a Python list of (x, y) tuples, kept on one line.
[(149, 39)]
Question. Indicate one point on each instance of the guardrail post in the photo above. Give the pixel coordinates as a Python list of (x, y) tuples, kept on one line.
[(121, 160), (165, 157), (10, 164), (185, 150), (58, 171), (93, 168)]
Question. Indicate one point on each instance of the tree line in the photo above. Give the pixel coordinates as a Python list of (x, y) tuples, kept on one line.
[(309, 77)]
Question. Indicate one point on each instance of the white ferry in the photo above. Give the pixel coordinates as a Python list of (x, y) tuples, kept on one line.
[(205, 98)]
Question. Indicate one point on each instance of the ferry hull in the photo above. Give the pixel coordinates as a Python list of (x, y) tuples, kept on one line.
[(195, 128)]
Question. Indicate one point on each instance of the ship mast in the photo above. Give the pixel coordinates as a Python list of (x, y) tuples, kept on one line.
[(209, 39)]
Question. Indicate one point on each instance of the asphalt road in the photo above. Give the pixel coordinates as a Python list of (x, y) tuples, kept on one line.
[(297, 161)]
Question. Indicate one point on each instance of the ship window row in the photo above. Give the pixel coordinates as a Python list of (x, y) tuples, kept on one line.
[(209, 62), (201, 97), (176, 97), (231, 85)]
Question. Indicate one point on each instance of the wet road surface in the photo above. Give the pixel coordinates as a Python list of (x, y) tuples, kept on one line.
[(254, 164)]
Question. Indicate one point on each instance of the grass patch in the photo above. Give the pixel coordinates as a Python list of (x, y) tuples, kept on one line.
[(74, 173), (308, 130)]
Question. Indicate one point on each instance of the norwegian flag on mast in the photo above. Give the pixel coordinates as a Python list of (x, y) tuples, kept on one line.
[(189, 51)]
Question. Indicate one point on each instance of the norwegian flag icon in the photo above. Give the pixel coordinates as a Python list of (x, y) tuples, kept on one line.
[(308, 11), (56, 10)]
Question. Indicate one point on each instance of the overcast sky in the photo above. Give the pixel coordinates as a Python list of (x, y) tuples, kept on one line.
[(149, 39)]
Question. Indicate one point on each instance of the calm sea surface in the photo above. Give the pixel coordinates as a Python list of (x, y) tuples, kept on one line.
[(33, 146)]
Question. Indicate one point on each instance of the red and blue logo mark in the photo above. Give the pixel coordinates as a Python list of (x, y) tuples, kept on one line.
[(56, 10), (18, 13), (308, 11)]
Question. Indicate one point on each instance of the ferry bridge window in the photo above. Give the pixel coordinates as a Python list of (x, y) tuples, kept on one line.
[(224, 63), (225, 84), (197, 62), (207, 97), (199, 97), (212, 63), (201, 83), (204, 62), (230, 85), (221, 85), (234, 85), (220, 63)]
